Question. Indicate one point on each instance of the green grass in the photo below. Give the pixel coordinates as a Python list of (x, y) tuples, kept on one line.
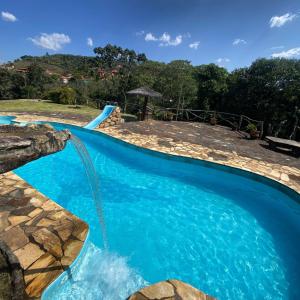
[(29, 105)]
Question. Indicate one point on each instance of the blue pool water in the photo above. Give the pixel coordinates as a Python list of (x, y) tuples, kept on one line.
[(226, 234), (6, 119)]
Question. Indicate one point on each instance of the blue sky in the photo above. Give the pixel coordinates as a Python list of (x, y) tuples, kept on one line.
[(230, 33)]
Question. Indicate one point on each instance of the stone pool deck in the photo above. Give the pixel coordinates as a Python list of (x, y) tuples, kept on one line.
[(41, 234)]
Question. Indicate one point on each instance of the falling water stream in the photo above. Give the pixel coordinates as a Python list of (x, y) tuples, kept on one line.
[(99, 273), (93, 181)]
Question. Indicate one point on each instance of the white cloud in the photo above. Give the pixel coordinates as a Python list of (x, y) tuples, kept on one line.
[(239, 42), (194, 45), (278, 21), (150, 37), (177, 41), (222, 61), (294, 52), (53, 41), (139, 33), (90, 42), (8, 17), (165, 39)]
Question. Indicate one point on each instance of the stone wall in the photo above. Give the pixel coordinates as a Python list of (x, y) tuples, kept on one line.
[(114, 119)]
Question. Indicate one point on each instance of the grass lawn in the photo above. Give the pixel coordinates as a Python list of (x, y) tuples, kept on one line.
[(48, 107), (25, 105)]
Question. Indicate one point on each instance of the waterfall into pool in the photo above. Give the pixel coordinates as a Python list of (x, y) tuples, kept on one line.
[(97, 273), (93, 180)]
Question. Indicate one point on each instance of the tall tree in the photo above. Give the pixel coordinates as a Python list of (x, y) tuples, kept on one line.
[(212, 86), (119, 63)]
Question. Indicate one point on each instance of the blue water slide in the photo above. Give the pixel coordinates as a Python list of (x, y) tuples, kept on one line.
[(107, 111)]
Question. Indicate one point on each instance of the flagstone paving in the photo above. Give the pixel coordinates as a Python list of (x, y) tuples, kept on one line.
[(42, 235)]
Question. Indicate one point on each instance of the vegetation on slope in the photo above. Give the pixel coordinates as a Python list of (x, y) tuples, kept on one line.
[(268, 90), (60, 63)]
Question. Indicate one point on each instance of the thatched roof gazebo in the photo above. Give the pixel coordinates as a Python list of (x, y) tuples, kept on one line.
[(147, 93)]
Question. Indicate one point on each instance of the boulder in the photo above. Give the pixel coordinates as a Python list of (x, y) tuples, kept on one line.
[(169, 290), (20, 145)]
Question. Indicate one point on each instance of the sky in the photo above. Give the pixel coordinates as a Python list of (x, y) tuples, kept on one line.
[(230, 33)]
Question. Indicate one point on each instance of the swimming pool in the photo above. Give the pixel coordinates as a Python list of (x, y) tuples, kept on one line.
[(6, 119), (229, 235)]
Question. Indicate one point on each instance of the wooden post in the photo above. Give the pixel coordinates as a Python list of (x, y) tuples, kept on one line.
[(144, 112), (240, 122), (262, 129)]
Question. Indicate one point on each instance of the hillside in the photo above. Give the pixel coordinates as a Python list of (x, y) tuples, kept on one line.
[(60, 63)]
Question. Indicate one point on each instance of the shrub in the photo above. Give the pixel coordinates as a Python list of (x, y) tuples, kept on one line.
[(252, 129), (67, 95), (163, 115), (62, 95)]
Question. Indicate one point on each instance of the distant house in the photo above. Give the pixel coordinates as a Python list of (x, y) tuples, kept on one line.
[(7, 67), (65, 79), (48, 72), (23, 70), (105, 74)]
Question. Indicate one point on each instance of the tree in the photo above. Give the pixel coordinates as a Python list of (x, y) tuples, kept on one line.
[(237, 98), (273, 89), (177, 83), (11, 84), (36, 75), (35, 80), (212, 86), (119, 64)]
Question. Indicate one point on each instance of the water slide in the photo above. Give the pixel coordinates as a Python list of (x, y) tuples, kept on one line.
[(107, 111)]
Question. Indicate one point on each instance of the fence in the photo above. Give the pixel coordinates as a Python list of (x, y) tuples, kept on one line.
[(236, 122)]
